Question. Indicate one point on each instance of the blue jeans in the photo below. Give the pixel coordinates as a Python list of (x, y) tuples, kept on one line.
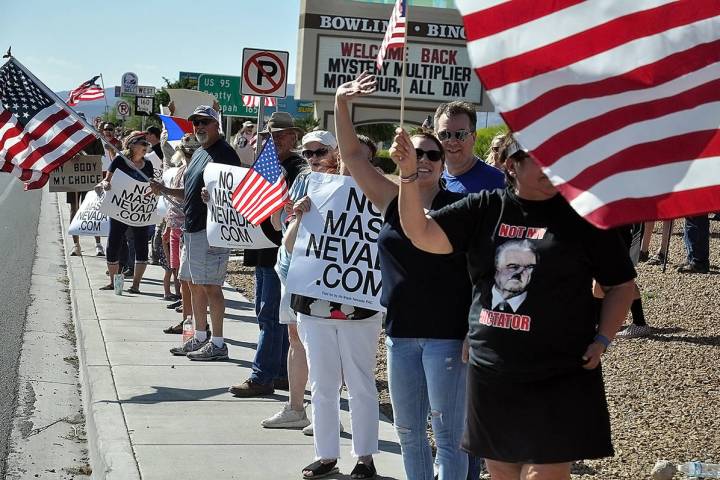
[(273, 343), (427, 377), (696, 235)]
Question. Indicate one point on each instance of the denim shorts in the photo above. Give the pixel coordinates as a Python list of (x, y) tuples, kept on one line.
[(200, 263)]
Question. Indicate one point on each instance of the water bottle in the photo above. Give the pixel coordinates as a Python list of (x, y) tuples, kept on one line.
[(188, 330), (700, 469), (118, 283)]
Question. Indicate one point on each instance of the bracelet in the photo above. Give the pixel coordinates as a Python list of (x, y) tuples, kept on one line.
[(410, 178), (605, 341)]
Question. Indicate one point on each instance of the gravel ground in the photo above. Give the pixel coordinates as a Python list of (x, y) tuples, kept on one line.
[(663, 390)]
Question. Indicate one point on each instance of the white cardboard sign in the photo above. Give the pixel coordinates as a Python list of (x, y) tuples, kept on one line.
[(89, 220), (128, 202), (335, 257), (225, 226)]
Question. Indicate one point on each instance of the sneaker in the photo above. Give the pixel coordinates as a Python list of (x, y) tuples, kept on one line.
[(692, 268), (174, 305), (251, 389), (287, 418), (635, 331), (128, 273), (657, 259), (190, 346), (309, 430), (99, 251), (76, 251), (209, 352)]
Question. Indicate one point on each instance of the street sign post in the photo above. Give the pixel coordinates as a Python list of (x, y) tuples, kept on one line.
[(144, 106), (264, 72), (226, 89)]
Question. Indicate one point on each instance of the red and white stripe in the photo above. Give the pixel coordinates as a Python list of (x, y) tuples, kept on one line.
[(619, 101), (257, 198), (395, 36), (51, 138), (251, 101)]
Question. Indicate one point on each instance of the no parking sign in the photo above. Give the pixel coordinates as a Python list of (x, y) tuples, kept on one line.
[(264, 72)]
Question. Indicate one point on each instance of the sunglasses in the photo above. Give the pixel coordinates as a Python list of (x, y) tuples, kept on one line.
[(446, 135), (432, 155), (320, 152), (204, 122)]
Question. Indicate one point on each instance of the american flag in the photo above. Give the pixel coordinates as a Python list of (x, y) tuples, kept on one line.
[(395, 33), (252, 101), (263, 190), (37, 134), (87, 91), (618, 100)]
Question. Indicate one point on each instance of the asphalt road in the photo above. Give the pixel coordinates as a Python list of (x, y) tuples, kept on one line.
[(19, 213)]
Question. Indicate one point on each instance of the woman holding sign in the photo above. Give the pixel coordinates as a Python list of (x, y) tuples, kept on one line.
[(536, 399), (136, 147), (427, 298)]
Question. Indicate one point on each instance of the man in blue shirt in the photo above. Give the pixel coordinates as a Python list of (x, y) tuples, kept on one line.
[(464, 171)]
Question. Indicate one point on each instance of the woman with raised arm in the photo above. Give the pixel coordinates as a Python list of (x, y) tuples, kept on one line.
[(536, 399), (427, 298)]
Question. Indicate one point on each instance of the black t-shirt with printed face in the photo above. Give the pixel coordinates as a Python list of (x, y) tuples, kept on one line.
[(194, 208), (531, 264), (426, 295)]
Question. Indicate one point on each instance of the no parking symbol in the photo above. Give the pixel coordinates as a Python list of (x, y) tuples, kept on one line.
[(264, 73)]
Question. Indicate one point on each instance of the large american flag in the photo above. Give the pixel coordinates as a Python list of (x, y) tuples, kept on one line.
[(37, 134), (618, 100), (87, 91), (395, 33), (252, 101), (263, 190)]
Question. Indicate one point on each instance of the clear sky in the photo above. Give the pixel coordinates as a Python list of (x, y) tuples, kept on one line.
[(66, 42)]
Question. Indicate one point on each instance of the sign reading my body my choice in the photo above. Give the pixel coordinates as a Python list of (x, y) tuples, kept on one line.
[(225, 226), (129, 202), (80, 174), (335, 256)]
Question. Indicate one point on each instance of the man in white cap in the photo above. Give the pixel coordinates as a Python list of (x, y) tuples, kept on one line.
[(203, 266)]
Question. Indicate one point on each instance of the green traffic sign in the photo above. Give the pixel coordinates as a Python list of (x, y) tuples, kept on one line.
[(226, 89)]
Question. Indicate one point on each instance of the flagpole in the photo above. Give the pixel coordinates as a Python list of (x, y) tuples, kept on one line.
[(258, 149), (102, 82), (404, 66), (90, 128)]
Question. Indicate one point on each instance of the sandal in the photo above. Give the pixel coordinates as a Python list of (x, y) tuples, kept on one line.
[(174, 328), (107, 287), (133, 290), (364, 470), (319, 469)]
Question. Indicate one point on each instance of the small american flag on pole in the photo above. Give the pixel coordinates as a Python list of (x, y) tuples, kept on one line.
[(263, 190), (619, 101), (86, 92), (252, 101), (395, 33), (37, 132)]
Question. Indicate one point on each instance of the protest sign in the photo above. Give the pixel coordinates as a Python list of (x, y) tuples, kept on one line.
[(128, 203), (335, 256), (225, 226), (89, 220), (185, 101), (163, 204), (80, 174), (157, 164)]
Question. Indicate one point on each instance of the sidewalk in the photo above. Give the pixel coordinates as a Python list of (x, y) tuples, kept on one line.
[(153, 416)]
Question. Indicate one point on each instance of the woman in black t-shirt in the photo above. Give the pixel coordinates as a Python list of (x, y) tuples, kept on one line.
[(427, 298), (141, 169), (536, 399)]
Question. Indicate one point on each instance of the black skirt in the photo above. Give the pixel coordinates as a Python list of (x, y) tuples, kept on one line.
[(555, 420)]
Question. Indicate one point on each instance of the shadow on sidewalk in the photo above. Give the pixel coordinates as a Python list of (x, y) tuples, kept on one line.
[(239, 343), (238, 305), (170, 394)]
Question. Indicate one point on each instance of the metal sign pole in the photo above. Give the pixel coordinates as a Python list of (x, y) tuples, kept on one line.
[(258, 143), (228, 127)]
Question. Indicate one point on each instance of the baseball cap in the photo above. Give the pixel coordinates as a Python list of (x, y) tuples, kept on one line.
[(248, 124), (322, 136), (513, 148), (205, 111)]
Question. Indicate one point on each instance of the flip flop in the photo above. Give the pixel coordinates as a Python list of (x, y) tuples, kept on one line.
[(107, 287), (174, 328)]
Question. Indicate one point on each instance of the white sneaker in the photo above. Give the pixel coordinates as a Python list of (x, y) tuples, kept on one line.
[(76, 251), (635, 331), (287, 418), (309, 430), (99, 251)]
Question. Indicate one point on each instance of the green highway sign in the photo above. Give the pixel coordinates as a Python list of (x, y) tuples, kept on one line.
[(226, 89)]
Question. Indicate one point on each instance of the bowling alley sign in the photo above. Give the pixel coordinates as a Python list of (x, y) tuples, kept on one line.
[(346, 42)]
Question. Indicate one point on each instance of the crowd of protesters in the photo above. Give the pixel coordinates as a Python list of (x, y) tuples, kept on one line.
[(476, 255)]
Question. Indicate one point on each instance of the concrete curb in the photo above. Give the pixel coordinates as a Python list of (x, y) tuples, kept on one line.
[(111, 453)]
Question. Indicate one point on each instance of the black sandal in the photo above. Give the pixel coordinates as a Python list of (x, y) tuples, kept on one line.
[(174, 328), (134, 290), (319, 469), (107, 287), (364, 470)]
